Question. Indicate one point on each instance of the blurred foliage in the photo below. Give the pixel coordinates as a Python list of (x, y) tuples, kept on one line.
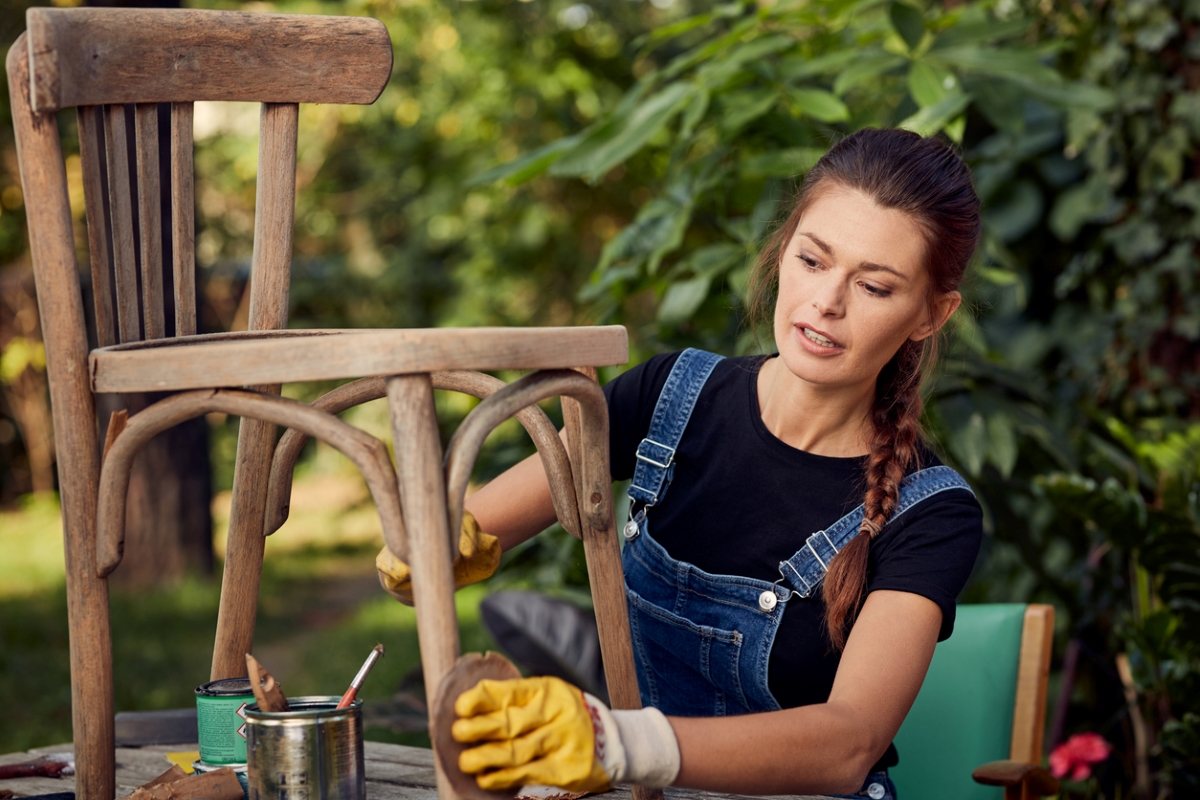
[(1077, 120)]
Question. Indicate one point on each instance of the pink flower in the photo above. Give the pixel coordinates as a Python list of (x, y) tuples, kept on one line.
[(1076, 755)]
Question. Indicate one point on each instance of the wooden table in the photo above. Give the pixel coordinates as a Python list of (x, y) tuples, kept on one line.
[(394, 772)]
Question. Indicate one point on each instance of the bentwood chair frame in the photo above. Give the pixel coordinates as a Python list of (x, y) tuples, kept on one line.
[(101, 61)]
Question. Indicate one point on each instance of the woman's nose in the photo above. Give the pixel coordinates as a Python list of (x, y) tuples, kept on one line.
[(829, 299)]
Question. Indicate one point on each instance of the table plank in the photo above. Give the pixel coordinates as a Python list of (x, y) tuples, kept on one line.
[(394, 772)]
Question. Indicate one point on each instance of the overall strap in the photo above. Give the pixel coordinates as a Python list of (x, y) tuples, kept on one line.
[(805, 570), (656, 453)]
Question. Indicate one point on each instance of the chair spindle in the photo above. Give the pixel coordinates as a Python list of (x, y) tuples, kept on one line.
[(90, 154), (149, 197), (183, 211), (120, 207)]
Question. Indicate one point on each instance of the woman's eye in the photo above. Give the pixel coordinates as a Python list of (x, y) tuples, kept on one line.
[(809, 262), (875, 291)]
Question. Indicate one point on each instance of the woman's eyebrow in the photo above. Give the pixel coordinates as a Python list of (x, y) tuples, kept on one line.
[(869, 266)]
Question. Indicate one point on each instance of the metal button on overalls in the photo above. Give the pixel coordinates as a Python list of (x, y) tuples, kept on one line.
[(876, 791), (768, 600)]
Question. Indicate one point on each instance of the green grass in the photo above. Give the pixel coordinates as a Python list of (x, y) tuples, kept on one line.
[(320, 612)]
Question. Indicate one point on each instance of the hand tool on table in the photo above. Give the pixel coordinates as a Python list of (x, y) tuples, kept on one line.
[(356, 684), (53, 765), (267, 690)]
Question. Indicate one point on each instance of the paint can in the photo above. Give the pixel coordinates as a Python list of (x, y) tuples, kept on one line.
[(314, 751), (238, 769), (221, 720)]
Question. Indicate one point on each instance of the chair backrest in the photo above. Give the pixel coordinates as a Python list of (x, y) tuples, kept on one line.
[(115, 66), (983, 700)]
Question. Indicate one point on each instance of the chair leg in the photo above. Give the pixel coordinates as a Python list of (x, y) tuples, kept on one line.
[(91, 653), (603, 554), (423, 498), (243, 549)]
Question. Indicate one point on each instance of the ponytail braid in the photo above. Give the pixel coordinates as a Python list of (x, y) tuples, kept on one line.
[(896, 418)]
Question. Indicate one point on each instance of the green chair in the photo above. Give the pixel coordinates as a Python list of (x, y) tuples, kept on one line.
[(981, 711)]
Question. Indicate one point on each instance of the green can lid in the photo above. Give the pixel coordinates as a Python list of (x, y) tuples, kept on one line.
[(226, 687)]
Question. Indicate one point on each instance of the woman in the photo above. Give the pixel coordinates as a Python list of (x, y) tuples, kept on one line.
[(784, 631)]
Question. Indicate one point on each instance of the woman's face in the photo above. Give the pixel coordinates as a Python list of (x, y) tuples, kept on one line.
[(852, 289)]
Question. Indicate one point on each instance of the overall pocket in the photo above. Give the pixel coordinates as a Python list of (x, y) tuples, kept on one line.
[(685, 669)]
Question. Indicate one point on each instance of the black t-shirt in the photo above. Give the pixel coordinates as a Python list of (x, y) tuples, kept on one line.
[(742, 500)]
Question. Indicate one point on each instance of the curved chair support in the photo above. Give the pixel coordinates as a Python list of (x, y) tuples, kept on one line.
[(476, 384), (464, 446), (368, 454)]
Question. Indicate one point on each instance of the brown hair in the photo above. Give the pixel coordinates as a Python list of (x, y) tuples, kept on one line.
[(926, 179)]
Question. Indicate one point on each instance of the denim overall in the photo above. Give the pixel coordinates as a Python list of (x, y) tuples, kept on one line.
[(701, 641)]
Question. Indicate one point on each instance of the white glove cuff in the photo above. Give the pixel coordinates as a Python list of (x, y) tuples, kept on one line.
[(651, 749)]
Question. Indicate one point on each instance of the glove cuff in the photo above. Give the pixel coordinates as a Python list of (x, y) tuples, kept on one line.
[(637, 747)]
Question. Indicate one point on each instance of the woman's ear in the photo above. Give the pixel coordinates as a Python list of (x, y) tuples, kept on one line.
[(942, 307)]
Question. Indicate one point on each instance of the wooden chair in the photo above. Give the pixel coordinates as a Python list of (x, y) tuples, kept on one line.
[(105, 61), (981, 712)]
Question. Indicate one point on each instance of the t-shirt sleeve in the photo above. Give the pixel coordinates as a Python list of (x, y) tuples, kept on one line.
[(631, 398), (931, 552)]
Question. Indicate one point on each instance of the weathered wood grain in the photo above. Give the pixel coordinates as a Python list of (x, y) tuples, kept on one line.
[(90, 56), (150, 218), (237, 359), (1033, 677), (270, 271), (422, 493), (183, 218), (120, 212), (52, 249), (586, 416), (477, 384), (394, 772), (91, 138), (365, 451), (509, 401)]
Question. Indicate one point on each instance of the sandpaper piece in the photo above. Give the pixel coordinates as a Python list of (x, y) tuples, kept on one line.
[(220, 784), (469, 670), (267, 690)]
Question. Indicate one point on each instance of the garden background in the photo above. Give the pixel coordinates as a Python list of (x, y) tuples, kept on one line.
[(550, 162)]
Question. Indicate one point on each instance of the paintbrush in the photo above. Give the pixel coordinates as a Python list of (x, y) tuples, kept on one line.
[(267, 690), (357, 683)]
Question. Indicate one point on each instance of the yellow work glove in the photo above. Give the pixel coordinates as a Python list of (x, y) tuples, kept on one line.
[(478, 557), (544, 731)]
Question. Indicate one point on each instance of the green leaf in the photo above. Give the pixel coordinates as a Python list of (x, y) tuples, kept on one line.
[(617, 139), (712, 260), (693, 114), (969, 444), (682, 299), (909, 22), (1002, 441), (867, 67), (743, 108), (527, 166), (820, 104), (719, 71), (780, 163), (798, 67), (929, 83), (932, 119), (1023, 65), (981, 32)]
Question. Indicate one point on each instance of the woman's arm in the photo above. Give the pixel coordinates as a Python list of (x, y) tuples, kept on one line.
[(828, 747), (516, 505)]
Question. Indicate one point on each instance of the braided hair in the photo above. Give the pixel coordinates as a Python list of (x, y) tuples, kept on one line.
[(926, 179)]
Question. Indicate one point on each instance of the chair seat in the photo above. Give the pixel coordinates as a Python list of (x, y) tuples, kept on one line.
[(269, 357)]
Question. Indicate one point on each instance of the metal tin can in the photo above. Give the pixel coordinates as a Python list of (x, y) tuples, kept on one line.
[(221, 720), (238, 769), (312, 752)]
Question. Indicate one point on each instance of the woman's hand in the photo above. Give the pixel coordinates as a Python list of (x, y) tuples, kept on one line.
[(478, 556), (546, 731)]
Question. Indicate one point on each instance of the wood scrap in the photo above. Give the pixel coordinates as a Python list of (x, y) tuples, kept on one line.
[(267, 690), (221, 784)]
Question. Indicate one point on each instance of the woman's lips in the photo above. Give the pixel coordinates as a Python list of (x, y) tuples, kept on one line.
[(816, 342)]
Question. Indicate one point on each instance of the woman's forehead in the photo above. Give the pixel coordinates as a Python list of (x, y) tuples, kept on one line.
[(848, 226)]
